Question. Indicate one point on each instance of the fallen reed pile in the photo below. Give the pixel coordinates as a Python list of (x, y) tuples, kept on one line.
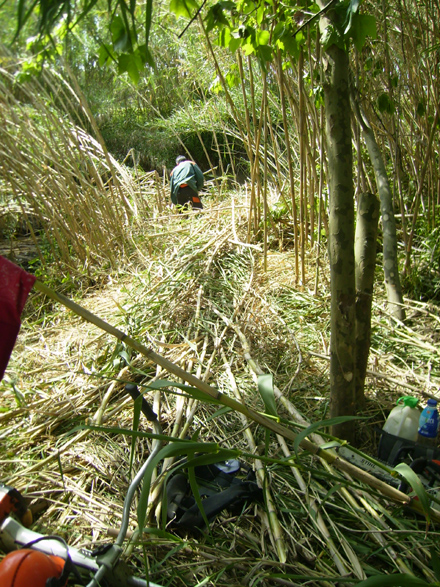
[(194, 291)]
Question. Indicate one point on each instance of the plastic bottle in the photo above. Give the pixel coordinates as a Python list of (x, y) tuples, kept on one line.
[(428, 424), (403, 420)]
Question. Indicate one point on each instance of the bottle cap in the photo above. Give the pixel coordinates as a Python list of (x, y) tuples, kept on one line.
[(431, 402), (409, 401)]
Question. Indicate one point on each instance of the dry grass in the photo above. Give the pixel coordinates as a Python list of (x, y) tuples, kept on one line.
[(190, 291), (195, 291)]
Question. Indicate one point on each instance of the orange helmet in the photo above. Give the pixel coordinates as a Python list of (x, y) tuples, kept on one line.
[(26, 568)]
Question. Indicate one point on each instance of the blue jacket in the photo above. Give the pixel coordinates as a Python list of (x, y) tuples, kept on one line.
[(186, 173)]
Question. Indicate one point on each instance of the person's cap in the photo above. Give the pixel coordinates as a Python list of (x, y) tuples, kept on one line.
[(179, 159)]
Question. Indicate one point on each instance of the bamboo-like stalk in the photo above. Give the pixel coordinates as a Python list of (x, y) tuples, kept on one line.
[(237, 117), (265, 180), (317, 518), (252, 150), (420, 187), (274, 524), (159, 302), (58, 173), (397, 560), (329, 457), (320, 200), (302, 167), (257, 125), (281, 87), (312, 149), (85, 107)]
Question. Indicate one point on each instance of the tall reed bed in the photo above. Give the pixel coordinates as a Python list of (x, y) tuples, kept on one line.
[(80, 205)]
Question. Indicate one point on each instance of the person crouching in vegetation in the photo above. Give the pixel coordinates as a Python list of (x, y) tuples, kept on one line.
[(185, 183)]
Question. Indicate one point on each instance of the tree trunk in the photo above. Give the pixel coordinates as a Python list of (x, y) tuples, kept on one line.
[(365, 262), (341, 238), (390, 261)]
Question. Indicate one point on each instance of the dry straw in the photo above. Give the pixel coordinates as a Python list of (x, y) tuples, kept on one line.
[(187, 300), (294, 531)]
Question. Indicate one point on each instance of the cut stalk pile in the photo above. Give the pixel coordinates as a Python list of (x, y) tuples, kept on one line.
[(194, 292), (206, 305)]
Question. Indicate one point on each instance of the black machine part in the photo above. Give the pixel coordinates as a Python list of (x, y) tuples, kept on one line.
[(219, 488)]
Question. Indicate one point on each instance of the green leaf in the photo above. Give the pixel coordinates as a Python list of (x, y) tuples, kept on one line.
[(120, 35), (148, 19), (216, 86), (125, 356), (136, 419), (421, 108), (216, 17), (183, 8), (352, 10), (362, 26), (224, 37), (201, 460), (145, 55), (414, 481), (265, 387), (262, 37), (220, 412), (105, 55), (435, 562), (232, 79), (336, 487), (129, 63), (245, 6), (164, 534), (260, 13), (172, 552), (385, 103), (265, 54), (21, 15), (191, 391), (221, 455), (234, 44), (291, 45), (397, 580), (124, 432), (331, 37), (354, 5), (196, 493), (321, 424), (331, 444), (368, 24)]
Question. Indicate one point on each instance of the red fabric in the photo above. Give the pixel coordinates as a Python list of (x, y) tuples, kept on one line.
[(15, 285)]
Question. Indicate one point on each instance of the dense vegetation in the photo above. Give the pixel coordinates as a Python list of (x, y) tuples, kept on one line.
[(227, 109), (91, 126)]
